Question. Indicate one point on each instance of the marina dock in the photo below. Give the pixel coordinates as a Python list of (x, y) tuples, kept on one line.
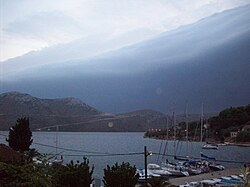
[(210, 175)]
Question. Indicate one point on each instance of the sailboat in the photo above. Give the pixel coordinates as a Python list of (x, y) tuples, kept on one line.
[(166, 168), (210, 146), (186, 163), (211, 163), (56, 160), (174, 169), (187, 143), (206, 145), (194, 167), (156, 169)]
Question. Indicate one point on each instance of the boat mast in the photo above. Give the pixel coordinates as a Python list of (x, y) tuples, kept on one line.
[(57, 127), (187, 126), (166, 145), (174, 134), (201, 121), (167, 136), (167, 128)]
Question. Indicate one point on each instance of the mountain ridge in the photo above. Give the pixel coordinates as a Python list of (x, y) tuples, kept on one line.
[(46, 114)]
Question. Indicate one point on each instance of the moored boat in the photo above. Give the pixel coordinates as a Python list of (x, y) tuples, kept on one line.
[(190, 166), (210, 146), (56, 161), (230, 181), (224, 181), (156, 169), (216, 167), (141, 173), (174, 170), (191, 184)]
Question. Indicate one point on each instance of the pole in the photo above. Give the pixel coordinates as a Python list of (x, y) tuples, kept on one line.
[(187, 126), (167, 128), (174, 122), (166, 148), (57, 128), (167, 134), (145, 163), (201, 121)]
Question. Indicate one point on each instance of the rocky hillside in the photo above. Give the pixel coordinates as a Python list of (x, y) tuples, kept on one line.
[(15, 102), (71, 114), (42, 112)]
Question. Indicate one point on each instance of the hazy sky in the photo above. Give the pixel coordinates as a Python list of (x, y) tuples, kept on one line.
[(28, 25)]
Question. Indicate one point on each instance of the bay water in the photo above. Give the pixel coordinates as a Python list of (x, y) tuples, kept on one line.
[(104, 149)]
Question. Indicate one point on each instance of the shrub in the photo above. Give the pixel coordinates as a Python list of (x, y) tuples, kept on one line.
[(72, 175), (122, 175), (24, 174)]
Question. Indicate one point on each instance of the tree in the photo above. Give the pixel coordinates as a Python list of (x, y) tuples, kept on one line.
[(20, 135), (230, 117), (72, 175), (243, 136), (122, 175)]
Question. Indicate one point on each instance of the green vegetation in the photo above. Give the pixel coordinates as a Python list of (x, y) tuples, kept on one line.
[(24, 173), (122, 175), (243, 137), (20, 135), (246, 176), (229, 120), (231, 117), (27, 173)]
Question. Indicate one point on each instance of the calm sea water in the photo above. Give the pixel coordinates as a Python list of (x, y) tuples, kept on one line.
[(120, 143)]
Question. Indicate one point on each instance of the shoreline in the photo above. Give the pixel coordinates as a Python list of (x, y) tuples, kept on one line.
[(226, 143), (240, 144)]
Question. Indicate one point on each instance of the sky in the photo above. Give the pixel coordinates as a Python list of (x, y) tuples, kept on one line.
[(32, 25)]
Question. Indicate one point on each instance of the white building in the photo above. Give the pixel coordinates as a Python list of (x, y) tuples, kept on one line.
[(233, 134)]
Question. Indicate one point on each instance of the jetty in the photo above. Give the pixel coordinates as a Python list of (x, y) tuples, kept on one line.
[(205, 176)]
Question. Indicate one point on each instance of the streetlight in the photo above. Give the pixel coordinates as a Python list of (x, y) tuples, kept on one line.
[(146, 154)]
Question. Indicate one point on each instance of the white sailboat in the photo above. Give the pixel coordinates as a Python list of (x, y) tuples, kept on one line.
[(206, 145), (188, 164), (210, 146), (56, 160), (172, 168), (156, 169)]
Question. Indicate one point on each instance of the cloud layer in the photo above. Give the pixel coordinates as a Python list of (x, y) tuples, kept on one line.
[(29, 25)]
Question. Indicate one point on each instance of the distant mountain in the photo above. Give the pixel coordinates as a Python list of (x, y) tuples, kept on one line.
[(42, 112), (203, 62), (71, 114), (15, 102)]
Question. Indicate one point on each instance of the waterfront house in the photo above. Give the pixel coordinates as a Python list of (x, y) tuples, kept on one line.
[(233, 134), (246, 127)]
